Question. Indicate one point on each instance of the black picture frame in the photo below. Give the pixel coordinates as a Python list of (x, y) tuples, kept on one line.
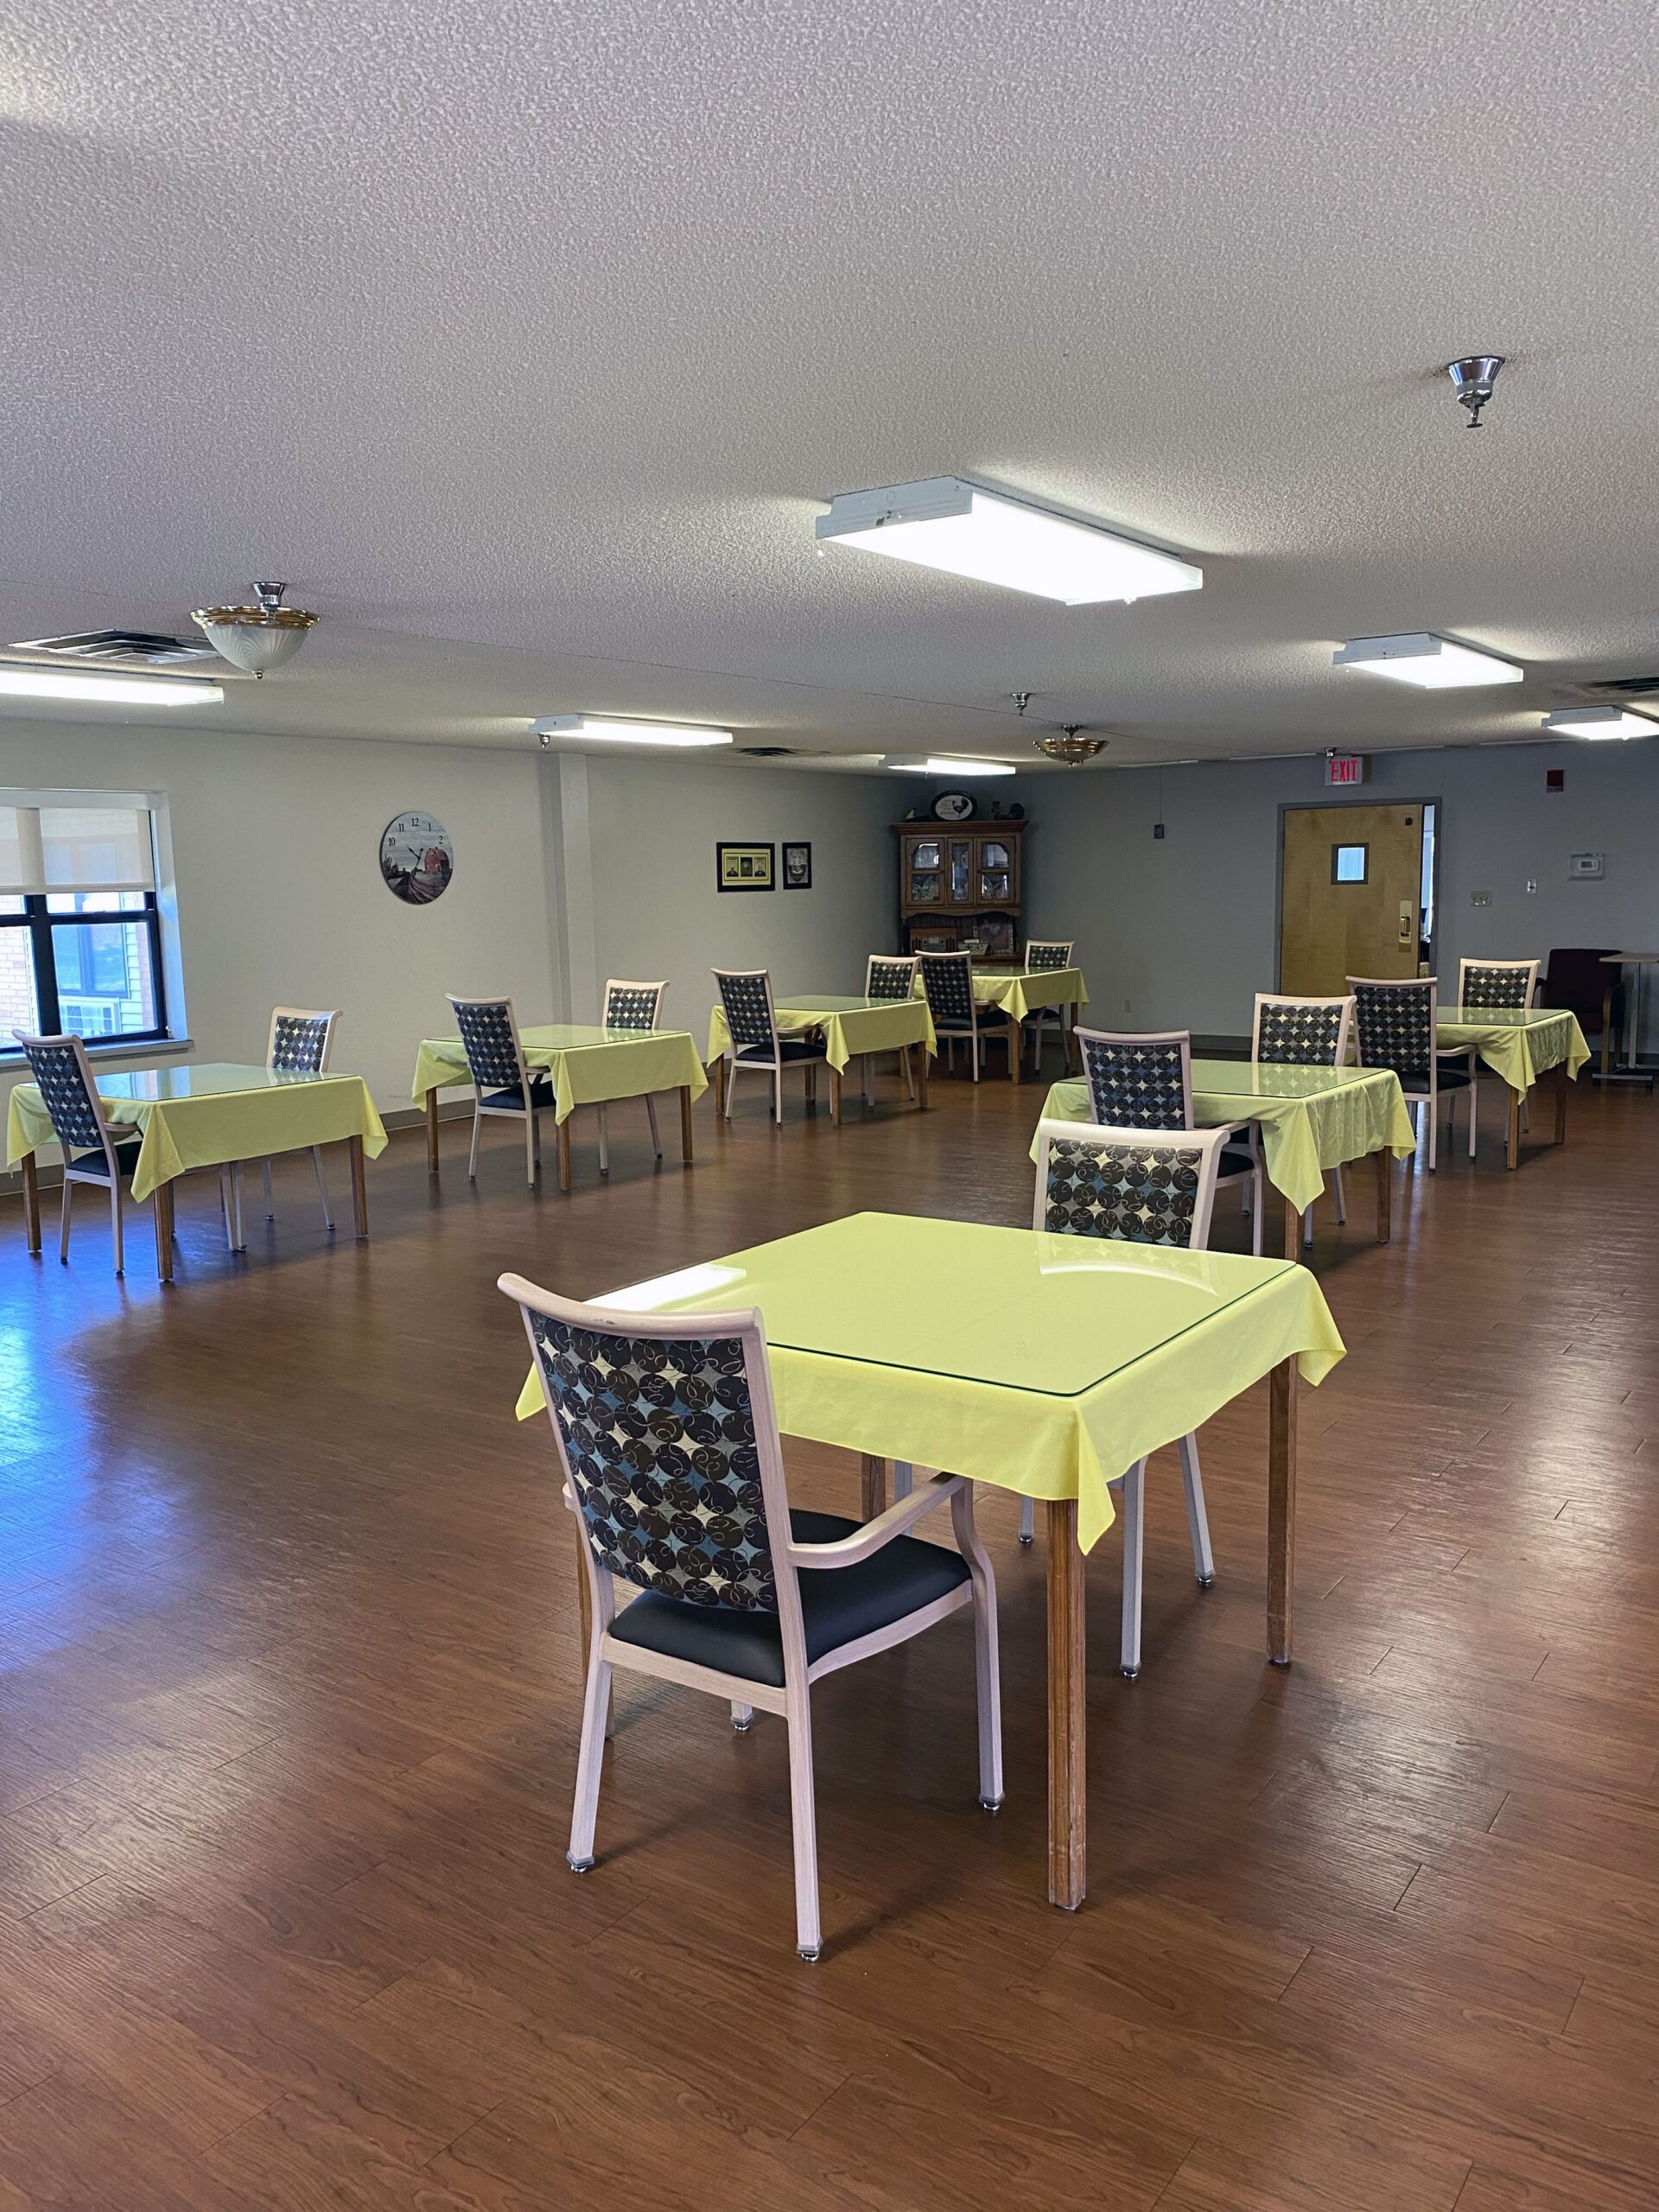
[(744, 866), (796, 872)]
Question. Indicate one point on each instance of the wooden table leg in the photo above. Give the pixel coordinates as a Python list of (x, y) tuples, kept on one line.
[(1606, 1030), (1384, 1160), (561, 1146), (1515, 1129), (1015, 1074), (161, 1204), (1068, 1802), (1293, 1229), (360, 1185), (835, 1096), (1562, 1079), (1282, 1508), (923, 1056), (872, 1485), (685, 1123), (431, 1132), (31, 1201), (718, 1081)]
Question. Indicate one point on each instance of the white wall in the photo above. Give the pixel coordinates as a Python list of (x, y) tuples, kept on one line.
[(1180, 932)]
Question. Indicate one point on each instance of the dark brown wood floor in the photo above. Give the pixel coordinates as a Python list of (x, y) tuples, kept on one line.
[(288, 1695)]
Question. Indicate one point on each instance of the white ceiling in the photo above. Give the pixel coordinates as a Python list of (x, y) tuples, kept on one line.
[(527, 341)]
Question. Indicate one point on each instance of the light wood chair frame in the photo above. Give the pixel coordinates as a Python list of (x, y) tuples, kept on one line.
[(793, 1700), (976, 1036), (622, 983), (1521, 1005), (889, 960), (773, 1068), (1057, 1019), (1424, 1100), (110, 1134), (331, 1017), (1340, 1059), (1131, 1483), (528, 1113)]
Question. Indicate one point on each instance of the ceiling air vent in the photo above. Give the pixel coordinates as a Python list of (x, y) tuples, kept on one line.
[(1627, 687), (144, 648), (767, 752)]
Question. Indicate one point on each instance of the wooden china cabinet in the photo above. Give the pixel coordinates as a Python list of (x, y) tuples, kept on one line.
[(960, 882)]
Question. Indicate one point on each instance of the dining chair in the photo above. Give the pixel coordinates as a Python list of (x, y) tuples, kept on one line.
[(668, 1447), (1395, 1023), (753, 1041), (632, 1006), (502, 1084), (1142, 1079), (1504, 983), (1308, 1033), (1136, 1186), (301, 1040), (889, 977), (95, 1149), (1045, 955), (948, 983)]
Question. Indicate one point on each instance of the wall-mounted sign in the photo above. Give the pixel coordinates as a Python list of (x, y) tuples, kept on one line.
[(1586, 867), (1345, 767), (416, 858)]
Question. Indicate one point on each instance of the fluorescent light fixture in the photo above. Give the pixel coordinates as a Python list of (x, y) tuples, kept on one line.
[(942, 522), (1600, 721), (1434, 663), (614, 729), (94, 690), (914, 765)]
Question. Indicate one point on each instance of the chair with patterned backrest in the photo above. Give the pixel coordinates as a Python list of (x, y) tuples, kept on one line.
[(300, 1043), (638, 1006), (1046, 955), (890, 978), (667, 1446), (753, 1041), (948, 984), (1503, 985), (1395, 1026), (1135, 1186), (1304, 1033), (95, 1149), (502, 1084), (1142, 1079)]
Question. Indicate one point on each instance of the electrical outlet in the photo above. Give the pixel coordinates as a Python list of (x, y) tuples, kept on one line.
[(1480, 898), (1157, 829)]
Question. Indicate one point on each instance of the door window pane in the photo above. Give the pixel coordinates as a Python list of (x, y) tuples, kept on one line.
[(106, 987), (1348, 863)]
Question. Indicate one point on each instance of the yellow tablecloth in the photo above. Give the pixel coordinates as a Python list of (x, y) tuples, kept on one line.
[(1518, 1045), (1311, 1118), (588, 1066), (1043, 1364), (851, 1025), (1019, 992), (202, 1116)]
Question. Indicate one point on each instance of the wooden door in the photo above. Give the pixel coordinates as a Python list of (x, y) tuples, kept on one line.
[(1350, 881)]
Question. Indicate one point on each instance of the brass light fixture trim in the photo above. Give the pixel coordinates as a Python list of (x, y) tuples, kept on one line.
[(257, 639), (1071, 747)]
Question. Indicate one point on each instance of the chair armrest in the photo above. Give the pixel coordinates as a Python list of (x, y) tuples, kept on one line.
[(873, 1535)]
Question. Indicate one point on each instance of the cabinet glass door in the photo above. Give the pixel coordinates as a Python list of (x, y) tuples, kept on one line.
[(960, 870), (924, 874)]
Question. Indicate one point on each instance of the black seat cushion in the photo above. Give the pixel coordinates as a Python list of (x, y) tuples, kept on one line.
[(1447, 1076), (1235, 1161), (94, 1163), (541, 1094), (789, 1048), (838, 1605)]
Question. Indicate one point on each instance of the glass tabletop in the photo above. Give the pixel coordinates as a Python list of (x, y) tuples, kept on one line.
[(571, 1036), (828, 1003), (203, 1080), (1013, 1307), (1501, 1017), (1274, 1079)]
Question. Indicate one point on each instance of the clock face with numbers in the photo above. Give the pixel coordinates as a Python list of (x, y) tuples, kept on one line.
[(416, 858), (954, 806)]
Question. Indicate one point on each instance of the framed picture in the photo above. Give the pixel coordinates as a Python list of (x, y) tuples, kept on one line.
[(797, 867), (743, 868), (416, 858)]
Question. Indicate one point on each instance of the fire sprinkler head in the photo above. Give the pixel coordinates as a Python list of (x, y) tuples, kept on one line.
[(1474, 377)]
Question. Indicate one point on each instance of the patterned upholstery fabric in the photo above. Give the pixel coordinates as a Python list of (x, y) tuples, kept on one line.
[(659, 1434), (298, 1042), (1396, 1029), (1040, 958), (1299, 1036), (1135, 1086), (492, 1049), (1504, 987), (747, 1016), (1139, 1194), (75, 1117), (948, 979), (631, 1008), (891, 979)]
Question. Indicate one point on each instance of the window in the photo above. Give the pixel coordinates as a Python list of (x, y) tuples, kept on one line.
[(80, 944), (1348, 863)]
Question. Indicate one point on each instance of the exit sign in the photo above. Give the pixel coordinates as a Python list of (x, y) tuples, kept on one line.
[(1344, 767)]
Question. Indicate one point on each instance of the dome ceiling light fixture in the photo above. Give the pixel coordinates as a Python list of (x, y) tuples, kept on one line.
[(259, 638), (1474, 377), (1071, 746)]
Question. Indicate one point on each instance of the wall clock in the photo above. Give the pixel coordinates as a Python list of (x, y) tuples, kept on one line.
[(416, 858), (954, 806)]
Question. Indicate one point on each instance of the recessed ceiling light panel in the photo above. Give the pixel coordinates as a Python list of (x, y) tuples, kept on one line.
[(935, 764), (943, 523), (1600, 721), (616, 729), (1435, 663), (84, 688)]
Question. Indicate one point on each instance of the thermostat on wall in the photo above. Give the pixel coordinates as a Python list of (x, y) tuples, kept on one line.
[(1587, 866)]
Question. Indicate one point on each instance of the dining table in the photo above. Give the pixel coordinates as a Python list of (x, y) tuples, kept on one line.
[(587, 1065), (852, 1026), (1041, 1364), (1311, 1120), (1520, 1044), (207, 1114), (1015, 992)]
